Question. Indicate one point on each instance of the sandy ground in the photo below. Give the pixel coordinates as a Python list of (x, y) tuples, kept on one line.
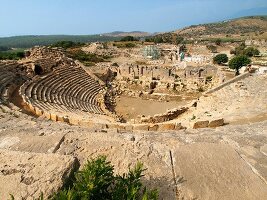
[(130, 107)]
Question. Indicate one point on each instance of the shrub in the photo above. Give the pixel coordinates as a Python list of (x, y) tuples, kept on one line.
[(129, 39), (179, 40), (124, 44), (67, 44), (239, 61), (85, 57), (97, 181), (129, 45), (4, 48), (11, 55), (250, 51), (218, 41), (220, 58)]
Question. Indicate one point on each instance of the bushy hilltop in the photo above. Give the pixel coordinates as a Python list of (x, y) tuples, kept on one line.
[(244, 25), (123, 34), (234, 30)]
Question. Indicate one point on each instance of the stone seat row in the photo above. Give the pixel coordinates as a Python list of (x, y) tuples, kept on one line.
[(64, 90), (7, 66), (61, 95)]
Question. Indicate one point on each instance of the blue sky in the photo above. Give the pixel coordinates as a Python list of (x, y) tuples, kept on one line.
[(42, 17)]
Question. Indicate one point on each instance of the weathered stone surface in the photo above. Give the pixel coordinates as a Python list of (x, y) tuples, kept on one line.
[(201, 124), (168, 126), (73, 121), (216, 123), (169, 115), (38, 112), (26, 175), (153, 127), (216, 171), (53, 117), (141, 127)]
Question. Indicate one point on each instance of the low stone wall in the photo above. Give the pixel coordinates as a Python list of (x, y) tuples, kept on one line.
[(169, 115), (208, 124)]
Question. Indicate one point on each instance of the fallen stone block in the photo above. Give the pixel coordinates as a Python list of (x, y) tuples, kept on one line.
[(201, 124), (216, 123)]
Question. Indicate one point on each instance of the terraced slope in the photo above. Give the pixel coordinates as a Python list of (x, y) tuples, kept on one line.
[(242, 102)]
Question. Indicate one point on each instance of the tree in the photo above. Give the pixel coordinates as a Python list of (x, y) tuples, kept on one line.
[(220, 58), (240, 49), (129, 38), (239, 61), (250, 51), (158, 39), (179, 39)]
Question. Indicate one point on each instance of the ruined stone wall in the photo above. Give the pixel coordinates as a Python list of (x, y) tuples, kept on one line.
[(169, 115)]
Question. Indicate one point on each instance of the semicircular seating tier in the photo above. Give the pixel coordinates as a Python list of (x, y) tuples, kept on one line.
[(67, 92)]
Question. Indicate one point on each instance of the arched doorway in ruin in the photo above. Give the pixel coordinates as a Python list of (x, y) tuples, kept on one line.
[(38, 70)]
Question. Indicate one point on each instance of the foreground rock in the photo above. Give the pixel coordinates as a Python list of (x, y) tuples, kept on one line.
[(216, 171), (26, 175), (203, 170)]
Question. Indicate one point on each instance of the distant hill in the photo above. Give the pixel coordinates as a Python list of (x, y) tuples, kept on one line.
[(244, 25), (34, 40), (123, 34), (254, 26)]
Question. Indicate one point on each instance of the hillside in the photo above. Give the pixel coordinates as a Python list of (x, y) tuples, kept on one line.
[(240, 26), (35, 40), (123, 34)]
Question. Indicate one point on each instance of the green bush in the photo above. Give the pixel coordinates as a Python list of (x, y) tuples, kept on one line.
[(4, 48), (10, 55), (218, 41), (129, 45), (250, 51), (67, 44), (220, 58), (124, 44), (86, 57), (129, 39), (96, 181)]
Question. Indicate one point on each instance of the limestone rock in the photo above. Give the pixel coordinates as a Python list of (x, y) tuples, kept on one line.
[(216, 123), (26, 175), (168, 126), (216, 171), (201, 124)]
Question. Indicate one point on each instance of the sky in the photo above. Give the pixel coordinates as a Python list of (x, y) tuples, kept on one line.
[(83, 17)]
